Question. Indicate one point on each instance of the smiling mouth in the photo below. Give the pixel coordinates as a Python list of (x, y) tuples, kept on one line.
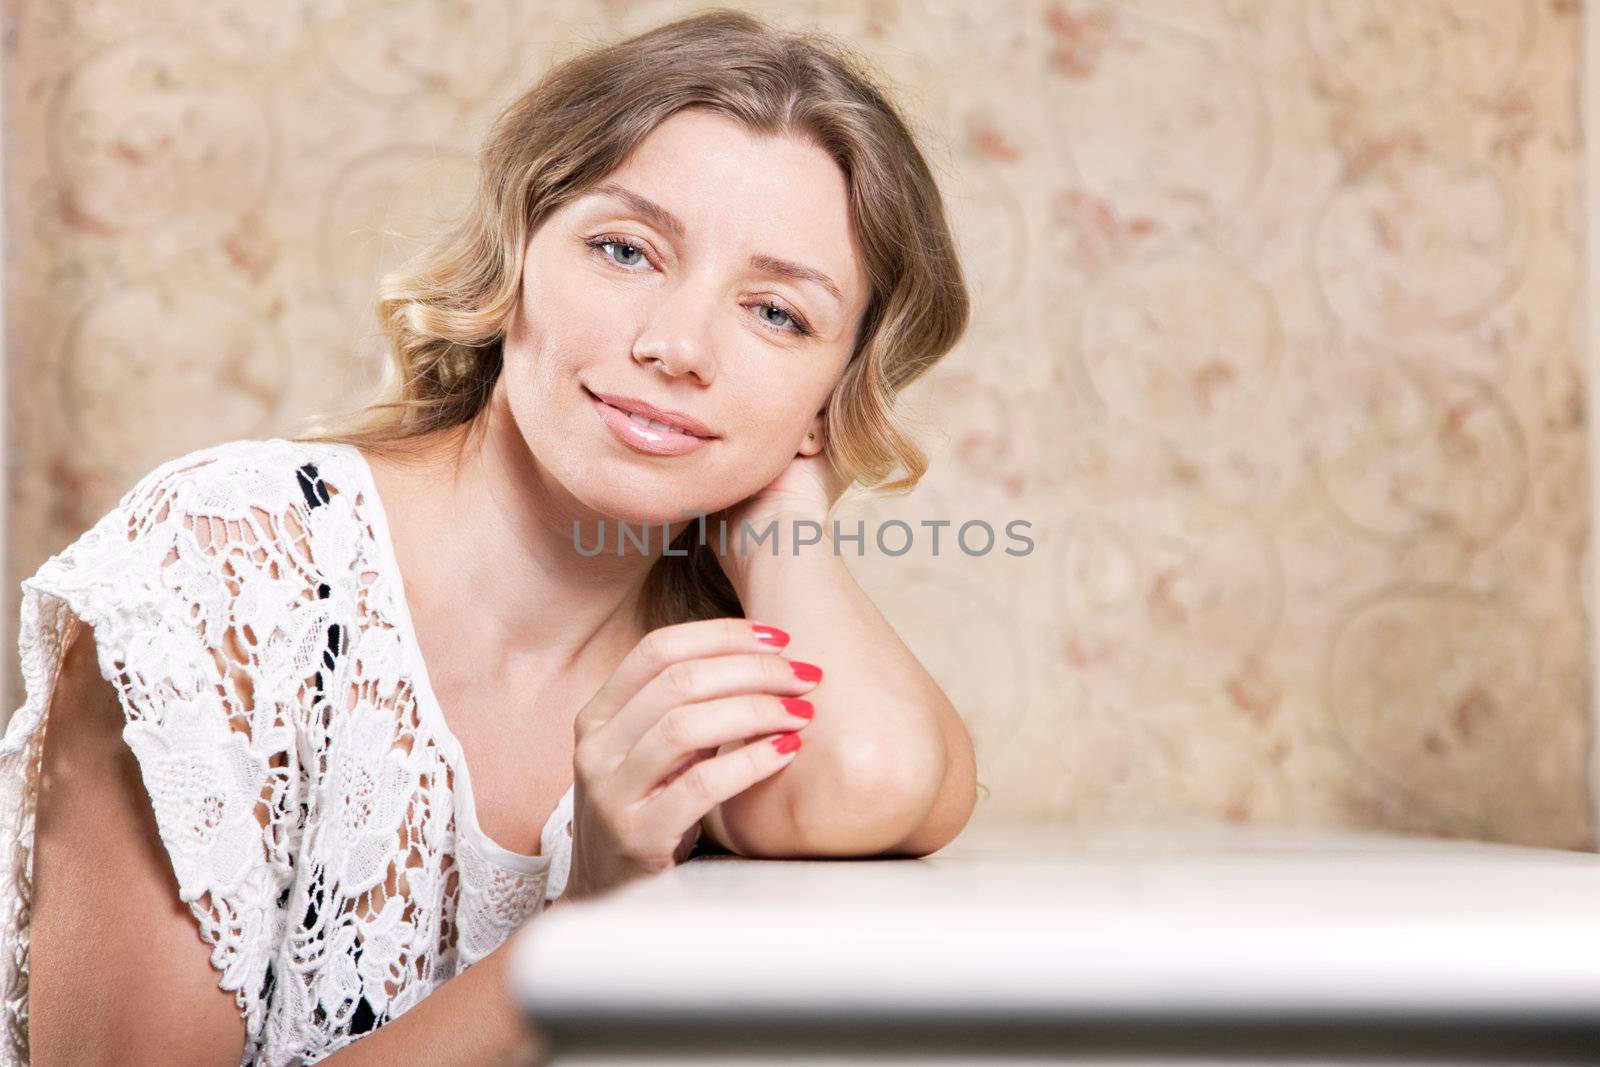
[(644, 435), (653, 424)]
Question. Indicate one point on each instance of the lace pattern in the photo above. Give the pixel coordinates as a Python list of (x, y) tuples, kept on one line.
[(247, 607)]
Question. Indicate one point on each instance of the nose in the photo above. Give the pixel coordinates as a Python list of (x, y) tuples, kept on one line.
[(675, 339)]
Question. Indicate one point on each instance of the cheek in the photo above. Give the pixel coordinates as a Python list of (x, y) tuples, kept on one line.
[(555, 349), (772, 422), (778, 407), (582, 302), (573, 311)]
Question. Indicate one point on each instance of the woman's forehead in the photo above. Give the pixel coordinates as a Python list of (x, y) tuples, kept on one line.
[(699, 175)]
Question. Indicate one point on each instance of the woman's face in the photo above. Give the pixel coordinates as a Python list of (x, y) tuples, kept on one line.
[(674, 282)]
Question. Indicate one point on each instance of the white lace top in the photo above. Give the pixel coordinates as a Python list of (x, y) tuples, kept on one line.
[(314, 804)]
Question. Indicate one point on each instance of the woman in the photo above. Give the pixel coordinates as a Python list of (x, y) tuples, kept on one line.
[(700, 264)]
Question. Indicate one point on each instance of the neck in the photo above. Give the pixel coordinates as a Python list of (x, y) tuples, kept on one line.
[(484, 537)]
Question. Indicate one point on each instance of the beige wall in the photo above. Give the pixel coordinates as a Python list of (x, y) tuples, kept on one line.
[(1277, 346)]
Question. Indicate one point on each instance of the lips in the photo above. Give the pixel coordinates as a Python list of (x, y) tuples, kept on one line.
[(664, 419), (640, 435)]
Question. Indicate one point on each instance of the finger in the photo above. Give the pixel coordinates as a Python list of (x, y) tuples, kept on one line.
[(690, 732), (696, 680), (672, 775), (667, 645), (709, 782)]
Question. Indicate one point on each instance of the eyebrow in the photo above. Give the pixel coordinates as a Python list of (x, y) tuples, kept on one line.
[(663, 219)]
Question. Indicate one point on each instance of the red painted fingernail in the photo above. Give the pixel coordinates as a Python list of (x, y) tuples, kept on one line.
[(796, 706), (786, 743), (771, 635), (806, 672)]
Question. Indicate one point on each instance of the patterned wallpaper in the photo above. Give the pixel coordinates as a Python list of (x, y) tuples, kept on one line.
[(1277, 347)]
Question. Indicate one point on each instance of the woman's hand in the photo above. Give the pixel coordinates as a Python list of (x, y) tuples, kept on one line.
[(809, 484), (645, 762), (806, 488)]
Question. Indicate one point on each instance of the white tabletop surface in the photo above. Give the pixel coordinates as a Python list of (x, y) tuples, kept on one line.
[(1011, 924)]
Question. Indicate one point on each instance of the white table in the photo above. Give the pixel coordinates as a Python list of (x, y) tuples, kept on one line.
[(1183, 945)]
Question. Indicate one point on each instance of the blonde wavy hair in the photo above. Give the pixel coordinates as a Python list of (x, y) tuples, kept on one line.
[(445, 314)]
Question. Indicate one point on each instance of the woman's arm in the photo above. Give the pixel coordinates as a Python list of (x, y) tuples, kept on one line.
[(118, 972), (469, 1021), (887, 766)]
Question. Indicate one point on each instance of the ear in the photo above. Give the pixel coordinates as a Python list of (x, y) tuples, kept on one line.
[(814, 437)]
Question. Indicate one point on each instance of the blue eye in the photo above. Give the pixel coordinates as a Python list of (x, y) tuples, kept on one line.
[(601, 243), (796, 325)]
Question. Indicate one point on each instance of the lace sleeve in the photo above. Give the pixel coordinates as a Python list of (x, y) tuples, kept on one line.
[(190, 586)]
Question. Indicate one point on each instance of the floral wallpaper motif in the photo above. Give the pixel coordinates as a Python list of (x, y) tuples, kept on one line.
[(1278, 347)]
